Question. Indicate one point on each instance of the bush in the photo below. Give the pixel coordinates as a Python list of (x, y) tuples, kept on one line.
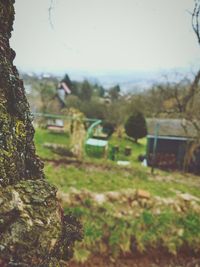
[(135, 126), (108, 128)]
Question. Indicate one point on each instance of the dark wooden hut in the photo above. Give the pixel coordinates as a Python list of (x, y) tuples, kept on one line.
[(167, 143)]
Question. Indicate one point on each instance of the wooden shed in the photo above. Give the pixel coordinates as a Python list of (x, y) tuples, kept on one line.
[(167, 143)]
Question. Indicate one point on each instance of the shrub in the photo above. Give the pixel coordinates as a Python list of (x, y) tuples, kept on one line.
[(108, 128), (135, 126)]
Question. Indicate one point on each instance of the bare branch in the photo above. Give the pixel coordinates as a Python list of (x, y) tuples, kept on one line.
[(196, 19), (50, 13), (192, 91), (176, 95)]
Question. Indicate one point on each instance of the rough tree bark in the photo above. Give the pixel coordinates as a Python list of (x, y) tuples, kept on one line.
[(33, 229)]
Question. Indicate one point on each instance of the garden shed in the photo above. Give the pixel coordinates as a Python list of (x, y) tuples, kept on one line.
[(167, 143), (96, 147), (95, 144)]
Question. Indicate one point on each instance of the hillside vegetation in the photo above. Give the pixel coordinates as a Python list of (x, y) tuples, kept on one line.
[(124, 209)]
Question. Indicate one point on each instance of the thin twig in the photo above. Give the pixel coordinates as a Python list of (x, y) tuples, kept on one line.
[(196, 19), (50, 13)]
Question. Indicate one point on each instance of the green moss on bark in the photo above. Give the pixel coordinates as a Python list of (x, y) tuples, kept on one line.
[(17, 151), (33, 229)]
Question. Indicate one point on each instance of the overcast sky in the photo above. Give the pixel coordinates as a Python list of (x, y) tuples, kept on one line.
[(104, 35)]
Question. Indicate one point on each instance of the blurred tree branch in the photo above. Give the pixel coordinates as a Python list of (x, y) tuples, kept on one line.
[(196, 19), (51, 7)]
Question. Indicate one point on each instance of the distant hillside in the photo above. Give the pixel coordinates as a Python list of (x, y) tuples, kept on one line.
[(128, 81)]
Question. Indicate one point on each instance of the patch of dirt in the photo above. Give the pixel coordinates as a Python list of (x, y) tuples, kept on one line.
[(184, 178), (63, 161), (152, 259), (90, 166)]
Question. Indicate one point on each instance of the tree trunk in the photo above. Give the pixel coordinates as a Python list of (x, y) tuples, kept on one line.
[(33, 229)]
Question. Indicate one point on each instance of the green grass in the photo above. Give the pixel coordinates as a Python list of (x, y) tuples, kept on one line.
[(106, 233), (136, 148), (101, 175), (43, 136), (113, 179)]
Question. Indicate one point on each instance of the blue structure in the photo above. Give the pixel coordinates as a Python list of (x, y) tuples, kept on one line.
[(166, 147)]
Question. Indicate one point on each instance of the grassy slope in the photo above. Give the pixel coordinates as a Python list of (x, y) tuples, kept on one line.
[(136, 148), (113, 179), (100, 223), (44, 136), (108, 176)]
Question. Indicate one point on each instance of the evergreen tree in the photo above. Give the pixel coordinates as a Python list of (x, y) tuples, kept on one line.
[(135, 126), (114, 92), (86, 91)]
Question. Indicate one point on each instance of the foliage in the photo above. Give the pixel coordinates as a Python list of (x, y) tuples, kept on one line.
[(108, 128), (135, 126), (111, 177), (93, 109), (116, 112), (108, 229), (86, 91), (114, 92), (113, 235), (78, 132), (99, 90), (73, 101), (40, 93)]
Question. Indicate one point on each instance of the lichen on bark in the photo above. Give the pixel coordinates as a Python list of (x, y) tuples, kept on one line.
[(33, 229)]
